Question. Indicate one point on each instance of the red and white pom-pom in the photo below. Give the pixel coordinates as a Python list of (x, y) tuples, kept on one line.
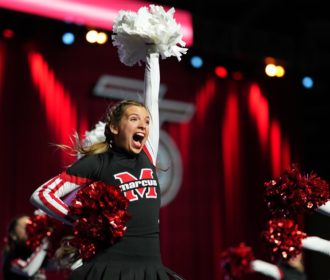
[(293, 193), (283, 238), (235, 261), (100, 213)]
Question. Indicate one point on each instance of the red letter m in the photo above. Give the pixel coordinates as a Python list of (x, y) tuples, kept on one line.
[(132, 194)]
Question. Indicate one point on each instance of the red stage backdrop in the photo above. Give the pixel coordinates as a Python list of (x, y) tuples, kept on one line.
[(239, 136)]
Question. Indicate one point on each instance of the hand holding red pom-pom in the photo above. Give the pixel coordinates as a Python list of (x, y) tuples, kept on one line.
[(42, 227), (101, 214), (283, 238), (293, 193), (236, 260)]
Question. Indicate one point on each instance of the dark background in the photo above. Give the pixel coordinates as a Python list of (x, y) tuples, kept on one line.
[(241, 33)]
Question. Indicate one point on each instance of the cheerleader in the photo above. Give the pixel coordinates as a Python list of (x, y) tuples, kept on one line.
[(125, 158), (20, 263)]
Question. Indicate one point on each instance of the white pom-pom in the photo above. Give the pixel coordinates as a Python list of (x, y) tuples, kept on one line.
[(148, 30), (96, 135), (38, 212), (93, 136)]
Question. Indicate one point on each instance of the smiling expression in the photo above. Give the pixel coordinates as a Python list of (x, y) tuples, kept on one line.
[(132, 131)]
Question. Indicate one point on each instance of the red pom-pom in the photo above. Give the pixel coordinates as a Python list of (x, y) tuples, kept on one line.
[(43, 226), (236, 260), (293, 193), (283, 239), (100, 213)]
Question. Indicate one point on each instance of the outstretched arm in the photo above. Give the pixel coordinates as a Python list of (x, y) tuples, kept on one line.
[(317, 244), (324, 209), (30, 266), (267, 269), (151, 92)]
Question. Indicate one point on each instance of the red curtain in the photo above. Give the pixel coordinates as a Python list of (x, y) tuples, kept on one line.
[(233, 143)]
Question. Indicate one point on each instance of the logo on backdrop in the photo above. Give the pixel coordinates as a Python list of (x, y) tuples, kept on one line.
[(169, 158)]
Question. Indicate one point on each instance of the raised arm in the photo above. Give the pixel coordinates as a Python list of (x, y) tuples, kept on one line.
[(151, 92)]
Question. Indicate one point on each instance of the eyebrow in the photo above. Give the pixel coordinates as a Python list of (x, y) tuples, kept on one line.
[(137, 115)]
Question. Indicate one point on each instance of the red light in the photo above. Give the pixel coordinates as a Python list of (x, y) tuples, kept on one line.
[(237, 76), (97, 13), (221, 71), (8, 33)]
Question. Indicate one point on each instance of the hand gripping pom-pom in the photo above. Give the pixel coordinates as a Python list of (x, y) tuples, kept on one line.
[(100, 213), (293, 193), (42, 226), (283, 239), (235, 261)]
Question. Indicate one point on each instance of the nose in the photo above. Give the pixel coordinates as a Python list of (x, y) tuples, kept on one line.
[(142, 124)]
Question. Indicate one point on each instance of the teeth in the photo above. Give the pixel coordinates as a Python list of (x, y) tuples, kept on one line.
[(138, 137)]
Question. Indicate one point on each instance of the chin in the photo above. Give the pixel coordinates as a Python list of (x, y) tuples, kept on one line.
[(136, 151)]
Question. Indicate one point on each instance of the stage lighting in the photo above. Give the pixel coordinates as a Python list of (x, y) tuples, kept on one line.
[(307, 82), (68, 38), (280, 71), (273, 67), (102, 38), (196, 61), (237, 76), (91, 36), (270, 70), (221, 71), (8, 33)]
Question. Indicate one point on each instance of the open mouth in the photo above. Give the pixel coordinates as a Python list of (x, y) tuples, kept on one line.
[(138, 138)]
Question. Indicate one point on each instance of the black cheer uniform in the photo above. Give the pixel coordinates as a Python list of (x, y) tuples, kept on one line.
[(137, 254)]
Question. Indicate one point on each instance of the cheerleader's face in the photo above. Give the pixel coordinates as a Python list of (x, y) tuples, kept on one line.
[(132, 131)]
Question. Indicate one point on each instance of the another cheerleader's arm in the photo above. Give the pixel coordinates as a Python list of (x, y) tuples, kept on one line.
[(48, 196), (151, 92), (76, 264), (324, 209), (30, 266), (267, 269), (317, 244)]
